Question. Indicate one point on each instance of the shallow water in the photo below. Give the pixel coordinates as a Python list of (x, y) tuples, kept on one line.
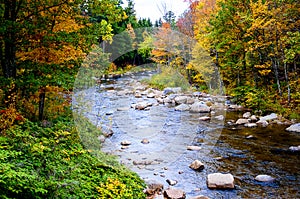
[(224, 148)]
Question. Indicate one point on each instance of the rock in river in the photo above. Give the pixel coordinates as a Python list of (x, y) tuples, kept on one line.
[(199, 107), (220, 181), (264, 178), (294, 128), (197, 165), (242, 121), (174, 194), (182, 107), (125, 143)]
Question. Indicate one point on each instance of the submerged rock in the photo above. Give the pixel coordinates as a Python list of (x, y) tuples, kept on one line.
[(220, 181), (294, 128), (264, 178)]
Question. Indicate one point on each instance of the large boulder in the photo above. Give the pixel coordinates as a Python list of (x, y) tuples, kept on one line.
[(220, 181), (180, 99), (200, 107), (294, 128)]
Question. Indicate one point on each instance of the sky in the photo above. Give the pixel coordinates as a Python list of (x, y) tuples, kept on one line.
[(151, 8)]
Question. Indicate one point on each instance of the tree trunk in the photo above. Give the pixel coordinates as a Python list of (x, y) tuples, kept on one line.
[(275, 66), (42, 97)]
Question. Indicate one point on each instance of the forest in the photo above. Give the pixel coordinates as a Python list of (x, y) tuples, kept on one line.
[(253, 44)]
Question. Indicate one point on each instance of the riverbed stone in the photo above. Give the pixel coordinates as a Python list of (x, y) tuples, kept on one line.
[(125, 143), (167, 100), (247, 115), (264, 178), (180, 99), (250, 125), (154, 187), (199, 107), (204, 118), (262, 123), (182, 107), (138, 95), (272, 116), (123, 109), (197, 165), (193, 148), (151, 95), (242, 121), (294, 128), (253, 118), (190, 100), (220, 181), (200, 197), (145, 141), (220, 117), (294, 148), (174, 194), (142, 105), (171, 182)]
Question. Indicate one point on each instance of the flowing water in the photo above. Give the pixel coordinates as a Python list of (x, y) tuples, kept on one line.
[(223, 148)]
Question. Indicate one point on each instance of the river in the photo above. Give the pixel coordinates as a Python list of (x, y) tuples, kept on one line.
[(167, 133)]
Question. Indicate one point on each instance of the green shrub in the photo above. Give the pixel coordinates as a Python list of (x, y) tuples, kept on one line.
[(38, 162), (169, 77)]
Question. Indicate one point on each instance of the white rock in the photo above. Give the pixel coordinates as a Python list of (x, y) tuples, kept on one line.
[(264, 178), (182, 107), (220, 181), (242, 121), (151, 95), (180, 99), (174, 194), (204, 118), (272, 116), (123, 109), (294, 128), (251, 125), (263, 123), (253, 118), (190, 100), (193, 148), (125, 143), (295, 148), (160, 100), (172, 182), (219, 117), (197, 165), (247, 115), (199, 107)]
